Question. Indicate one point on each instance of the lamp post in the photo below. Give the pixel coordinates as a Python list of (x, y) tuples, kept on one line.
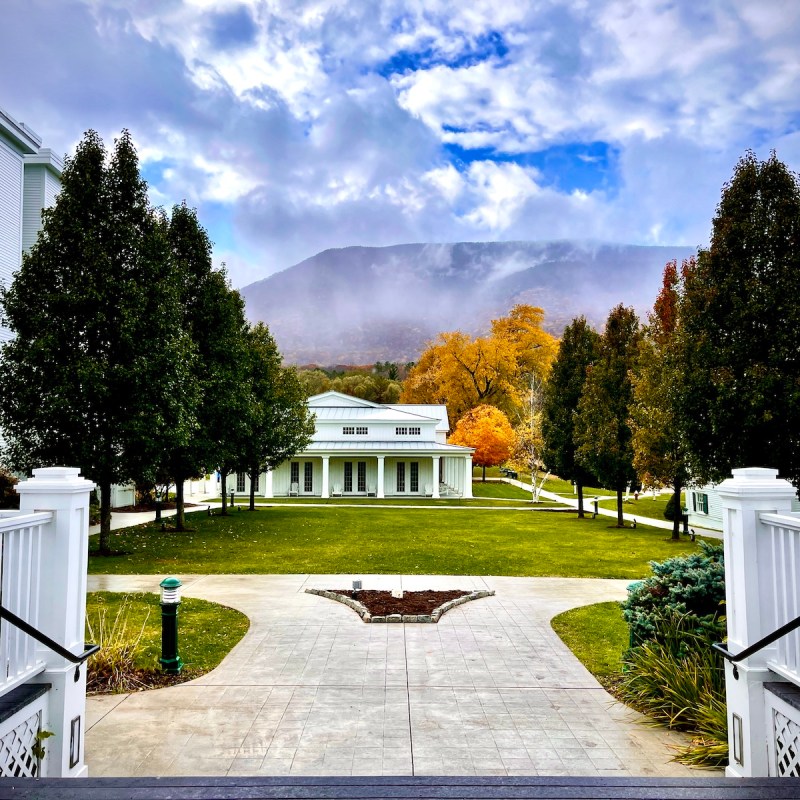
[(170, 600), (158, 505)]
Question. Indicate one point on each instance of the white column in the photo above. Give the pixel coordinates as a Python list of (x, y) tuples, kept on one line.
[(468, 477), (326, 477), (268, 490), (62, 605), (380, 492), (435, 460), (748, 582)]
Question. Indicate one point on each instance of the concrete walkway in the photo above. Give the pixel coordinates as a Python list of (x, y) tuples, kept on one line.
[(312, 690)]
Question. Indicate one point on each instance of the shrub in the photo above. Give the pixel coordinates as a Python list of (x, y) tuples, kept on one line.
[(114, 669), (679, 681), (672, 509), (691, 586)]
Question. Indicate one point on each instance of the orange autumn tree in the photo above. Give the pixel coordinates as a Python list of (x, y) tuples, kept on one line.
[(488, 430), (464, 371)]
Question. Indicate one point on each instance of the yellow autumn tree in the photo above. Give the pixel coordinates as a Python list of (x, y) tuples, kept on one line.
[(464, 371), (487, 429)]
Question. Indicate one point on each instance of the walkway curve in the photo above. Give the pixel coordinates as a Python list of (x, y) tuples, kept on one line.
[(312, 690)]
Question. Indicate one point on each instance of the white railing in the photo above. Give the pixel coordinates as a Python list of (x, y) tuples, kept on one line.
[(782, 601), (20, 591)]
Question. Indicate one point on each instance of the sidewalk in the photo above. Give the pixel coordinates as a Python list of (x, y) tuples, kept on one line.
[(312, 690)]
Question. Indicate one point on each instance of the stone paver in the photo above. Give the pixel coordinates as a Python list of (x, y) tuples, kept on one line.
[(311, 689)]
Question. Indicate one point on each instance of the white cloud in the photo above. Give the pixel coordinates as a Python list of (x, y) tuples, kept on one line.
[(282, 123)]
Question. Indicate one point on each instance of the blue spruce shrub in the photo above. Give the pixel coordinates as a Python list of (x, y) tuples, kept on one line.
[(691, 587)]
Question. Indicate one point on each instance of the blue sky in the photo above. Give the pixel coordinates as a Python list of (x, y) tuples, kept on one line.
[(297, 126)]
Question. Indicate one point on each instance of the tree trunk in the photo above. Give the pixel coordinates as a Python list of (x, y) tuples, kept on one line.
[(676, 522), (104, 548), (483, 479), (620, 520), (180, 510), (223, 480), (579, 487), (253, 477)]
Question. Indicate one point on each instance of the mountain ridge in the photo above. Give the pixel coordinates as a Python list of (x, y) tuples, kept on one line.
[(362, 304)]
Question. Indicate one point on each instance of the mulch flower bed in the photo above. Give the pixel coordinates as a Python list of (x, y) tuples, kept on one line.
[(384, 603), (382, 606)]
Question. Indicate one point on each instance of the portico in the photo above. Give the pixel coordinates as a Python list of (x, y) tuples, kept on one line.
[(364, 449)]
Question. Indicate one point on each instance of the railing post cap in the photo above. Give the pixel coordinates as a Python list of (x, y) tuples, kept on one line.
[(756, 481), (55, 479)]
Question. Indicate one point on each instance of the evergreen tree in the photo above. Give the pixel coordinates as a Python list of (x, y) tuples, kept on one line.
[(740, 338), (578, 350), (602, 432), (97, 374), (278, 421)]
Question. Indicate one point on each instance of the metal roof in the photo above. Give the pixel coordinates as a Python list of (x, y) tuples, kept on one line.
[(366, 447), (379, 414)]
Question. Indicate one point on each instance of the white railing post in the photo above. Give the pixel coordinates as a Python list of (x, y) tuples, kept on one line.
[(748, 591), (62, 607)]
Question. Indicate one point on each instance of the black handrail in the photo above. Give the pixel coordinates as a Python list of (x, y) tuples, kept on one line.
[(759, 645), (88, 649)]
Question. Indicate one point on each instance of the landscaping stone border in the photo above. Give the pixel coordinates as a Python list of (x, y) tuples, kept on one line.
[(434, 616)]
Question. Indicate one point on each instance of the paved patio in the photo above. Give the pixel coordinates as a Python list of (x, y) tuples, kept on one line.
[(311, 689)]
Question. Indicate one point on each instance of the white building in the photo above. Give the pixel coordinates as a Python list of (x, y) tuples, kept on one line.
[(366, 449), (29, 181)]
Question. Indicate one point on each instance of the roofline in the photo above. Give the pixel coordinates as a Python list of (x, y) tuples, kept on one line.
[(25, 138), (48, 158)]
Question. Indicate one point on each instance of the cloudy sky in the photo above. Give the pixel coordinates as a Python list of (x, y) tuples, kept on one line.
[(297, 126)]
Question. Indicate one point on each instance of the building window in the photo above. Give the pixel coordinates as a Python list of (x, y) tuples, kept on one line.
[(362, 431), (362, 476), (348, 430), (404, 431), (414, 431), (348, 476), (401, 476), (240, 481), (414, 476), (308, 476), (401, 431), (700, 502), (294, 473), (258, 481)]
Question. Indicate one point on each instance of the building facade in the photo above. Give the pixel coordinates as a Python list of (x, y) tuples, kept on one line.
[(366, 449), (29, 182)]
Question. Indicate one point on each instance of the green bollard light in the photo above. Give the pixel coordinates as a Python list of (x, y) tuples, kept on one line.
[(170, 661)]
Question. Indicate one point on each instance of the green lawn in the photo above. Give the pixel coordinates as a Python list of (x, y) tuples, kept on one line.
[(300, 539), (206, 631), (645, 506), (597, 635)]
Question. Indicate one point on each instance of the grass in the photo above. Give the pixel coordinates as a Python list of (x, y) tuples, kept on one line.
[(598, 636), (303, 539), (206, 631), (645, 506)]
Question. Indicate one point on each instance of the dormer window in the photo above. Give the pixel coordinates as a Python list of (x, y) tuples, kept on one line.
[(405, 431), (350, 430), (401, 431), (362, 431)]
